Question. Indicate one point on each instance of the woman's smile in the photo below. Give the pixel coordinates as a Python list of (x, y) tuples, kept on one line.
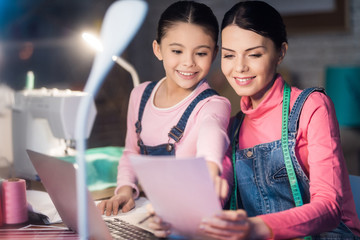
[(244, 81)]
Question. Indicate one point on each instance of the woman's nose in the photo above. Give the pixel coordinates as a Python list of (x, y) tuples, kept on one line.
[(241, 65)]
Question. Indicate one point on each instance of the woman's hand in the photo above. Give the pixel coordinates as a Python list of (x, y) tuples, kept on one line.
[(226, 225), (160, 228), (235, 225), (123, 199)]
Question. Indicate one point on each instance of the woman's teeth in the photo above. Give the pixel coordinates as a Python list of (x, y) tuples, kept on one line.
[(244, 79)]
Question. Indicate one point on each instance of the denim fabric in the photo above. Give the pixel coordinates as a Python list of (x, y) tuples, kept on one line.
[(262, 179), (175, 132), (159, 150)]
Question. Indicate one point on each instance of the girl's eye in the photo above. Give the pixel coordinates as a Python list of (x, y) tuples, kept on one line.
[(201, 54), (176, 51)]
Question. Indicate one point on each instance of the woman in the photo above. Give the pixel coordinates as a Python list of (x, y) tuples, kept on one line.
[(318, 201)]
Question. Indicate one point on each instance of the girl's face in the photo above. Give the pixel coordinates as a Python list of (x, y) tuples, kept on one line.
[(249, 62), (187, 53)]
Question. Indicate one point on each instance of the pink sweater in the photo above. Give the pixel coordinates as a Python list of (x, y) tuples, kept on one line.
[(319, 152), (205, 134)]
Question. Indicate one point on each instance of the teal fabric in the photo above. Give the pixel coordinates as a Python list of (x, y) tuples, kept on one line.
[(342, 84), (101, 166)]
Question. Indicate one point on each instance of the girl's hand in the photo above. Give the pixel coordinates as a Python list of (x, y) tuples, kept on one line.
[(221, 187), (227, 225), (160, 228), (123, 199), (220, 184)]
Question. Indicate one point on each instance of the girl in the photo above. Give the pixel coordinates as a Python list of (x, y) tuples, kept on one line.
[(320, 204), (180, 114)]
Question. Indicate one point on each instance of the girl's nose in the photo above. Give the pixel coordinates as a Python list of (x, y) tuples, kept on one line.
[(188, 60)]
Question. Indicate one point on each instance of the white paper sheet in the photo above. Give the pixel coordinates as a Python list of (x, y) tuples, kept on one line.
[(180, 190), (40, 202)]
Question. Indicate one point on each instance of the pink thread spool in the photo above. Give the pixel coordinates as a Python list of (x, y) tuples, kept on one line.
[(14, 201), (1, 212)]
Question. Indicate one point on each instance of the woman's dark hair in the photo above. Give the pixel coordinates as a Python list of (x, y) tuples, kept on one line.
[(188, 12), (259, 17)]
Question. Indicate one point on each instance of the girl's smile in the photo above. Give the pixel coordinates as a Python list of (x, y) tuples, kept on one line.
[(187, 75)]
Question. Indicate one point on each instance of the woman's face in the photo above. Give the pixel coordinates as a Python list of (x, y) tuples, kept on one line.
[(249, 62)]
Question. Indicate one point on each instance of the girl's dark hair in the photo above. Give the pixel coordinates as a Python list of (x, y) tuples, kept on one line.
[(188, 12), (259, 17)]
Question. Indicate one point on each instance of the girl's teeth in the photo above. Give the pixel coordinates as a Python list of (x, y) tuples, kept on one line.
[(186, 74)]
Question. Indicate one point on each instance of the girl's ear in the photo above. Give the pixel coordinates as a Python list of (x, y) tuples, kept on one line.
[(156, 50), (282, 53)]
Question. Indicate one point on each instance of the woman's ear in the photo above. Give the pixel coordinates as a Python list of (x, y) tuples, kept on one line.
[(282, 53), (157, 50)]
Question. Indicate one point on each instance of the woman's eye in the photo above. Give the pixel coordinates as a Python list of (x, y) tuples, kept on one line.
[(228, 56), (255, 55)]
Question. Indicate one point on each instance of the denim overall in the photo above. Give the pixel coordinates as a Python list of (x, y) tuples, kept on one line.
[(262, 182), (175, 132)]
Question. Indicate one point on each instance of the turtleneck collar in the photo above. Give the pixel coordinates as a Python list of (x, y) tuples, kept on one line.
[(271, 100)]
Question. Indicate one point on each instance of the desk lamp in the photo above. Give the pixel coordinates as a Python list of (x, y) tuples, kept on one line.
[(121, 21), (97, 46)]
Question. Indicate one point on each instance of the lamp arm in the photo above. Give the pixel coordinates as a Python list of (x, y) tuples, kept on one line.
[(128, 67)]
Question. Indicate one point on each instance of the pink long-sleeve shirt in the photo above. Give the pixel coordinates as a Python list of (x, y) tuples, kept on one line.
[(318, 150), (205, 134)]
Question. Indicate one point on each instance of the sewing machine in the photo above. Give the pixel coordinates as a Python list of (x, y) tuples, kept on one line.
[(44, 120)]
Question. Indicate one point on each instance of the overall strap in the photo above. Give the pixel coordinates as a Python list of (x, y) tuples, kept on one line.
[(145, 97), (177, 131), (298, 105), (234, 137), (290, 124)]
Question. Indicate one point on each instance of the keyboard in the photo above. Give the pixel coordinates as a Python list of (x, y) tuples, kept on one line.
[(120, 229)]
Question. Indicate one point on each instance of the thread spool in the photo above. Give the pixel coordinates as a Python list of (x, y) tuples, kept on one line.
[(14, 201), (1, 212)]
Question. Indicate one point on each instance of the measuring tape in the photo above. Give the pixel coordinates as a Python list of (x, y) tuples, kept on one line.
[(284, 144), (285, 147)]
